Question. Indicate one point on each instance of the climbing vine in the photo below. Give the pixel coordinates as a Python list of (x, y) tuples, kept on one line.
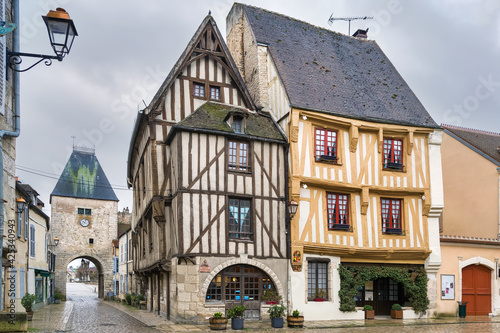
[(414, 282)]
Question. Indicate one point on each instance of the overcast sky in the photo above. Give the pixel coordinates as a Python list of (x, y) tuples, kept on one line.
[(448, 52)]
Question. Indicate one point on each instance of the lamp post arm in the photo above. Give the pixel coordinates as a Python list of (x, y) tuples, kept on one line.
[(15, 58)]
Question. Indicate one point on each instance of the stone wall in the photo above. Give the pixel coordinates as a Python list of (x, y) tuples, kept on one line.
[(74, 239)]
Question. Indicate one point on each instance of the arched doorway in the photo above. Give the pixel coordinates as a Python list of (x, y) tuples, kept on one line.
[(240, 285), (476, 289), (84, 261)]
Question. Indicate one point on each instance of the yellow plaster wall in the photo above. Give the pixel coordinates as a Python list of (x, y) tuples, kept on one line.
[(470, 191)]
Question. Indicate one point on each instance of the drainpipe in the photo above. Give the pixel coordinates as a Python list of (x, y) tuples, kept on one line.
[(12, 134)]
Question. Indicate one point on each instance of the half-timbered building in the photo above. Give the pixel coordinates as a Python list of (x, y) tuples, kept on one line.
[(365, 164), (208, 173)]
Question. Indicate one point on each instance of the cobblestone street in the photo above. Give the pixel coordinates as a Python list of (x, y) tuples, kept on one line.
[(84, 312)]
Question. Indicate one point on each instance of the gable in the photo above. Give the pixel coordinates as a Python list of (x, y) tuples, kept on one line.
[(206, 61)]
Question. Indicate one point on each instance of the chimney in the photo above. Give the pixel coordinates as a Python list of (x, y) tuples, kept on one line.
[(361, 33)]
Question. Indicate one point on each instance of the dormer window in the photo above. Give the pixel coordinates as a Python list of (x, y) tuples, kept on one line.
[(238, 124), (199, 89), (215, 93)]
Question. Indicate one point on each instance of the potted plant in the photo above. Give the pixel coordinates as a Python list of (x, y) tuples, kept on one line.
[(396, 311), (271, 296), (218, 322), (57, 297), (319, 295), (369, 312), (27, 302), (140, 301), (295, 320), (276, 312), (236, 315)]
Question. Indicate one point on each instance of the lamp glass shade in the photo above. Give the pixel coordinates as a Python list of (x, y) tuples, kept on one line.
[(62, 33), (56, 241), (292, 208), (20, 205)]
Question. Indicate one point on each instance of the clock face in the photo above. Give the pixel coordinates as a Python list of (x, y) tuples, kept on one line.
[(84, 222)]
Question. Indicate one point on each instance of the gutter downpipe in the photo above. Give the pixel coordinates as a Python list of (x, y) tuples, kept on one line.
[(12, 134)]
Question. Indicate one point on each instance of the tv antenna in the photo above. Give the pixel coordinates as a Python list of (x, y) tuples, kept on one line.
[(331, 19)]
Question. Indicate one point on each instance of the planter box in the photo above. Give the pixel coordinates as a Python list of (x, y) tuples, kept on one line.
[(369, 314), (237, 323), (397, 314), (341, 226), (142, 305), (396, 231), (328, 158), (277, 322), (319, 299), (218, 324), (271, 302), (295, 322)]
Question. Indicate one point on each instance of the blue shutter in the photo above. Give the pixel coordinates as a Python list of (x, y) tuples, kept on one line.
[(19, 225), (46, 253), (114, 265), (21, 282), (26, 219), (32, 240)]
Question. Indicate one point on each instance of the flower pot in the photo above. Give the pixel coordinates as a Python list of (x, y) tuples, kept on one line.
[(319, 299), (369, 314), (293, 322), (271, 302), (277, 322), (218, 324), (57, 301), (397, 314), (29, 315), (237, 323)]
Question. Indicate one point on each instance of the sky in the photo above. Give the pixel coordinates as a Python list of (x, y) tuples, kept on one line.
[(448, 52)]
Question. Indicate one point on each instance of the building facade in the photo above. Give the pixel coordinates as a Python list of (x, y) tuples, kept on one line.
[(470, 230), (208, 173), (365, 165), (84, 211)]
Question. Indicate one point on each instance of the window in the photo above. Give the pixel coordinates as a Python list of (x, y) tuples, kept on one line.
[(391, 216), (32, 240), (338, 211), (326, 145), (393, 154), (317, 278), (238, 124), (199, 89), (91, 241), (238, 156), (84, 211), (239, 219), (215, 93), (19, 224)]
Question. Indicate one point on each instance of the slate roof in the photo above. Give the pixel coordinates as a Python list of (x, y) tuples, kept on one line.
[(212, 117), (487, 143), (330, 72), (83, 177)]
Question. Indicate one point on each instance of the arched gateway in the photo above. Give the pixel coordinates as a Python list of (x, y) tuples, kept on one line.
[(84, 218)]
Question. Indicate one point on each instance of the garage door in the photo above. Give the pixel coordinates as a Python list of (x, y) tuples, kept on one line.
[(476, 289)]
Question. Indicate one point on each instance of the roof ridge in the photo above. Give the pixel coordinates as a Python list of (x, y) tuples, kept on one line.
[(301, 21), (470, 129)]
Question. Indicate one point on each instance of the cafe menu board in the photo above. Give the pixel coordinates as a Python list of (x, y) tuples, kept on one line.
[(447, 286)]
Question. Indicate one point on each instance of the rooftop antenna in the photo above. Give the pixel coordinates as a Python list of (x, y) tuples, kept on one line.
[(74, 137), (331, 19)]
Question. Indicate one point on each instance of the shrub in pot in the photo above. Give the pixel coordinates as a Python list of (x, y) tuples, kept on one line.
[(295, 320), (27, 302), (271, 296), (369, 312), (396, 311), (236, 316), (319, 295), (277, 312), (218, 322)]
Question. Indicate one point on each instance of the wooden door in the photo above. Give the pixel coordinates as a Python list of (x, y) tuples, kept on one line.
[(387, 292), (476, 290)]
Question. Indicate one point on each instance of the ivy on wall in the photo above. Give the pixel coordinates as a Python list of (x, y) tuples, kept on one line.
[(414, 282)]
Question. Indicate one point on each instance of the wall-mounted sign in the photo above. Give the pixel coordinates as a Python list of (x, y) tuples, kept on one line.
[(447, 286)]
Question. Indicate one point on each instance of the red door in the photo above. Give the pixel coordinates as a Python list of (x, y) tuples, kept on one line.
[(476, 289)]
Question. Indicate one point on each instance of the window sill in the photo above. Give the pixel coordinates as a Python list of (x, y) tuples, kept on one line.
[(341, 227), (403, 170), (249, 172), (214, 304), (236, 240)]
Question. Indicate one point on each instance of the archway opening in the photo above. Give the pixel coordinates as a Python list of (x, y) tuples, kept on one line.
[(83, 273), (241, 285)]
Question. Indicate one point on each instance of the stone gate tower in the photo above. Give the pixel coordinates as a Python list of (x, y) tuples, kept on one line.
[(84, 217)]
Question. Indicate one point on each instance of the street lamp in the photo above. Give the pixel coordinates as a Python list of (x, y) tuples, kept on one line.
[(61, 31), (21, 203), (292, 208), (54, 244)]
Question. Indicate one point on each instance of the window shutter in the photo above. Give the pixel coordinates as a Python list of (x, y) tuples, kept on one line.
[(114, 265), (26, 219), (21, 282), (19, 225), (3, 56), (32, 240)]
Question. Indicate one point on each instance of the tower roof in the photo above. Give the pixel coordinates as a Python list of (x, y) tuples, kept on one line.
[(83, 177)]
